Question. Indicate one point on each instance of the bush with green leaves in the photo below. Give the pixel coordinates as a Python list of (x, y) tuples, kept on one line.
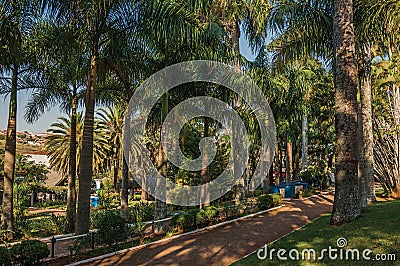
[(29, 252), (96, 216), (49, 203), (185, 221), (207, 216), (5, 257), (141, 212), (112, 228), (316, 175), (267, 201), (58, 224), (229, 210)]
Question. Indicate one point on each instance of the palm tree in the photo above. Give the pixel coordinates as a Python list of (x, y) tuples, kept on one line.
[(97, 21), (16, 18), (111, 125), (176, 31), (379, 25), (307, 30), (347, 201), (58, 145), (59, 56)]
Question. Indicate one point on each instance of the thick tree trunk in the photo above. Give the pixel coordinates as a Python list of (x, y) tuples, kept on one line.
[(86, 160), (160, 211), (205, 173), (125, 172), (7, 215), (347, 193), (289, 162), (71, 193), (304, 143)]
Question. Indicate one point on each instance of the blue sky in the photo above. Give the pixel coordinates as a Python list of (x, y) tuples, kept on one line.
[(51, 116)]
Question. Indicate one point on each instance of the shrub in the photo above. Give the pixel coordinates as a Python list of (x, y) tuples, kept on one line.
[(207, 216), (185, 221), (112, 228), (141, 212), (29, 252), (267, 201), (49, 203), (79, 244), (229, 210), (58, 224), (5, 257), (97, 216)]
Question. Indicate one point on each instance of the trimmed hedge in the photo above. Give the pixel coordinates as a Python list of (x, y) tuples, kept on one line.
[(267, 201), (29, 252), (5, 257)]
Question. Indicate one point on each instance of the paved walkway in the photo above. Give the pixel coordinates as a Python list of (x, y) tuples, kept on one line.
[(227, 243)]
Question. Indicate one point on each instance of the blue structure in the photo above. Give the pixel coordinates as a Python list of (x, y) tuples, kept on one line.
[(94, 200), (289, 189)]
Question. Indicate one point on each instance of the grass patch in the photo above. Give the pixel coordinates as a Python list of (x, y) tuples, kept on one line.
[(377, 230)]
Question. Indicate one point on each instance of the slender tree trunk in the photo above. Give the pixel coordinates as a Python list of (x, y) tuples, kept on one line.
[(346, 205), (116, 169), (125, 172), (278, 170), (205, 173), (161, 206), (86, 160), (235, 36), (71, 193), (7, 215), (234, 32), (304, 143), (361, 161), (142, 153), (395, 184), (281, 164), (289, 161), (367, 149)]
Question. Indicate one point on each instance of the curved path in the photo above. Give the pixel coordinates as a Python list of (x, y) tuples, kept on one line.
[(230, 242)]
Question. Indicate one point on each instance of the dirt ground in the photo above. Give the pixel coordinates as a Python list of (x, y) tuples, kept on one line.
[(227, 243)]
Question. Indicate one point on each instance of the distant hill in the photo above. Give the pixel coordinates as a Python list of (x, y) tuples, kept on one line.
[(27, 143)]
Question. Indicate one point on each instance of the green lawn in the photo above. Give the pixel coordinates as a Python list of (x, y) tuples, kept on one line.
[(377, 230)]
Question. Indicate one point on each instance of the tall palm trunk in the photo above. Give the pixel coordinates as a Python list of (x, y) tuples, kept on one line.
[(7, 215), (367, 162), (278, 172), (395, 188), (115, 169), (304, 143), (289, 161), (205, 173), (144, 195), (86, 160), (71, 193), (346, 205), (160, 211), (125, 171), (234, 32)]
